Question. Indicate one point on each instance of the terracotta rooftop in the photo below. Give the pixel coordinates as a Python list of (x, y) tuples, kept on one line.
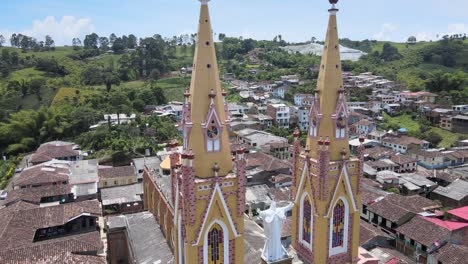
[(116, 172), (364, 122), (265, 161), (451, 254), (378, 152), (401, 159), (42, 174), (393, 207), (34, 195), (368, 232), (57, 250), (417, 229), (20, 226), (53, 150)]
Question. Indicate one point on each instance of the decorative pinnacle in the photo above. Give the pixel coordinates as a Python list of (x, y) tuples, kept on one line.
[(333, 3), (224, 93), (187, 93), (296, 133), (212, 94)]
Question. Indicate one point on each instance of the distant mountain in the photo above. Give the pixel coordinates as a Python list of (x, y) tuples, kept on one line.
[(317, 49)]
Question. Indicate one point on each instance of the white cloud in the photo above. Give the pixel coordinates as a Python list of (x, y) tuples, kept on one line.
[(451, 30), (62, 31), (386, 32)]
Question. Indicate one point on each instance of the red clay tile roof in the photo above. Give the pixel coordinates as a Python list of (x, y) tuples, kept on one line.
[(265, 161), (116, 172), (423, 231), (368, 232), (378, 152), (51, 151), (42, 174), (21, 225), (403, 140), (34, 195), (401, 159), (451, 254), (49, 251), (394, 207)]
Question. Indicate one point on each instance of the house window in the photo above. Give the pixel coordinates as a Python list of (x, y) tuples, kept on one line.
[(215, 245)]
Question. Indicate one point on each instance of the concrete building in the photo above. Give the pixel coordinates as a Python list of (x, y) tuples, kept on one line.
[(280, 114)]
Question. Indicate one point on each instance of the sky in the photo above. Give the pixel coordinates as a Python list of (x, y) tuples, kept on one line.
[(295, 20)]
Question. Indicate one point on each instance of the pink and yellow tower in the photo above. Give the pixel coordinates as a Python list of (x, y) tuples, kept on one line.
[(326, 192), (207, 181)]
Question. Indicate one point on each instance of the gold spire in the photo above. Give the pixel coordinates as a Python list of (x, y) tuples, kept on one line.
[(330, 92), (206, 96)]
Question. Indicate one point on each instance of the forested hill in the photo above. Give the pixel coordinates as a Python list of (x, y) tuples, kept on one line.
[(49, 93)]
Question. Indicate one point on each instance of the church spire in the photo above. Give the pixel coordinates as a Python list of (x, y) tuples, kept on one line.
[(329, 113), (207, 134)]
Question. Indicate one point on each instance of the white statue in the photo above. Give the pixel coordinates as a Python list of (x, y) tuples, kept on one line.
[(273, 219)]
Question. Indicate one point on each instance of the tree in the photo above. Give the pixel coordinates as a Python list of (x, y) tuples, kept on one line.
[(118, 46), (2, 40), (390, 53), (412, 40), (91, 41), (14, 41), (132, 41), (433, 138), (221, 36), (155, 75), (49, 43), (112, 38), (76, 43), (103, 43), (110, 78)]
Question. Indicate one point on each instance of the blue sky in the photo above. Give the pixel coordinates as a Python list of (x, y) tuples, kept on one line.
[(295, 20)]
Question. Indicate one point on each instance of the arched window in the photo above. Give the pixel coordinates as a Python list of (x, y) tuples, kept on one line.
[(215, 245), (212, 135), (339, 225), (313, 126), (307, 221), (341, 124)]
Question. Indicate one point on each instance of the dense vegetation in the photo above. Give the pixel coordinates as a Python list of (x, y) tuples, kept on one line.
[(49, 92)]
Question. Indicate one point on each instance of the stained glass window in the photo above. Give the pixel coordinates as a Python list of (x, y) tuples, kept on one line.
[(306, 220), (338, 224), (215, 245), (212, 132)]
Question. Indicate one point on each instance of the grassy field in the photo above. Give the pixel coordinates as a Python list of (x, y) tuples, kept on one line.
[(174, 88), (68, 95), (413, 126)]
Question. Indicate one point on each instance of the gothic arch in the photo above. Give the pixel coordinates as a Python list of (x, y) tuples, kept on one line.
[(225, 243), (339, 227), (306, 221)]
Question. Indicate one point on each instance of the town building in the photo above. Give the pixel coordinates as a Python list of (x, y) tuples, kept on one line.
[(117, 176), (303, 99), (403, 143), (280, 114), (58, 150), (460, 124)]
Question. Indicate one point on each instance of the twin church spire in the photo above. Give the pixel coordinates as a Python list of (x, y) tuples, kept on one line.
[(329, 113), (207, 133)]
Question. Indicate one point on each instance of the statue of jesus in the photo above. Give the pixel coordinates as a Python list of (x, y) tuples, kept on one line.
[(273, 219)]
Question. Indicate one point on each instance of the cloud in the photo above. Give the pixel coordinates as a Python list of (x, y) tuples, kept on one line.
[(62, 31), (386, 32), (452, 29)]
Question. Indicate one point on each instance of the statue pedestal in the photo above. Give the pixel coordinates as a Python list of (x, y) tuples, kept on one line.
[(282, 261)]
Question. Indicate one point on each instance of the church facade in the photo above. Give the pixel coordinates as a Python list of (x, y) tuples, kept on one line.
[(200, 206), (326, 192)]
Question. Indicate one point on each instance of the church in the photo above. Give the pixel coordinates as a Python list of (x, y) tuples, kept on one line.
[(200, 206)]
